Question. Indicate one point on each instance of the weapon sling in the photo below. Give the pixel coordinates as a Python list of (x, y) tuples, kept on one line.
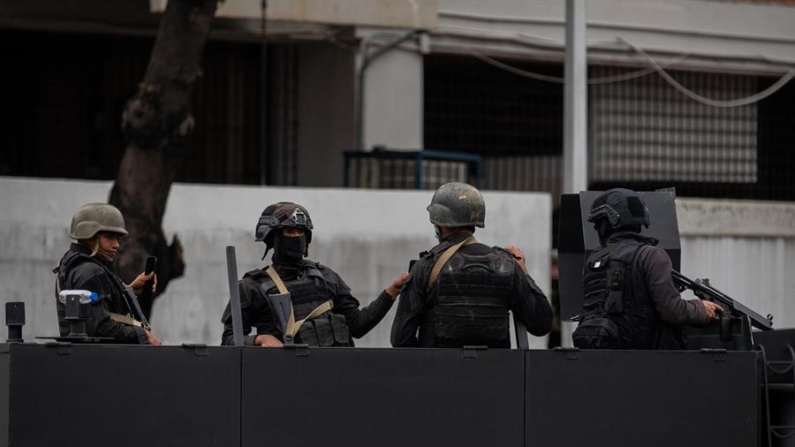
[(437, 268), (292, 325)]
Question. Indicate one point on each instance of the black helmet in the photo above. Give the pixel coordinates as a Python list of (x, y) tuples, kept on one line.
[(621, 207), (457, 205), (283, 215)]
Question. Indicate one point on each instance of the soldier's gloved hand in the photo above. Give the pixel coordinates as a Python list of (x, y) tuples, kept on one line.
[(137, 286), (393, 290), (268, 341), (150, 337), (713, 310), (518, 255)]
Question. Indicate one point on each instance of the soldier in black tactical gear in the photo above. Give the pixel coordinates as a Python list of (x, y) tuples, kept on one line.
[(324, 311), (459, 293), (87, 265), (629, 298)]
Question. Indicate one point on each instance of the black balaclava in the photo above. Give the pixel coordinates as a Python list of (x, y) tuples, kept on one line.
[(288, 250)]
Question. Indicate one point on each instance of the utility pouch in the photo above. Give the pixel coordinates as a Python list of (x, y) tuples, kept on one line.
[(340, 328), (596, 333), (614, 305), (308, 334), (325, 336)]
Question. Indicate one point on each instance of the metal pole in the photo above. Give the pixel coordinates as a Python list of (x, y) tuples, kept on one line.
[(575, 110), (263, 98), (234, 296)]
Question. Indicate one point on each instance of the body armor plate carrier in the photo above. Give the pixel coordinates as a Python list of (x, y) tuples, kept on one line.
[(473, 296)]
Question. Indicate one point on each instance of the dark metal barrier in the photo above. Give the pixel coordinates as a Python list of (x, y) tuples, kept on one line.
[(383, 397), (642, 398), (92, 395), (111, 395)]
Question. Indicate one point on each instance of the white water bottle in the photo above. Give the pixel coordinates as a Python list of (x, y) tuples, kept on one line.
[(85, 296)]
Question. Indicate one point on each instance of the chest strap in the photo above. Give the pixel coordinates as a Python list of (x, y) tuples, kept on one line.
[(292, 325), (437, 268)]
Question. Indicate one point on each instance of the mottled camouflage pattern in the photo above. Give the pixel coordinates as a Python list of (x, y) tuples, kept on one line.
[(93, 218), (457, 205), (620, 207), (283, 215)]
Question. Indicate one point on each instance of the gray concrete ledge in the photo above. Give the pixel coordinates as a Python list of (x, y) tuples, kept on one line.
[(709, 217)]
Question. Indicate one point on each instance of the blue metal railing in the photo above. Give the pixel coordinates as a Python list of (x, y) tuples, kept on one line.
[(473, 163)]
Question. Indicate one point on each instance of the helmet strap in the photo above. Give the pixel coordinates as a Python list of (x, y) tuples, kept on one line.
[(93, 246), (99, 252), (603, 229)]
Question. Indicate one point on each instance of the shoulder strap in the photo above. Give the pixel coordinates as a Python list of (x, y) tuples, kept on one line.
[(437, 267), (271, 271), (292, 325)]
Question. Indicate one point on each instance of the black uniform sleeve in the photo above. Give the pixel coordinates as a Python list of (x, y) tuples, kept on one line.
[(656, 266), (532, 307), (255, 314), (359, 321), (412, 302), (99, 323)]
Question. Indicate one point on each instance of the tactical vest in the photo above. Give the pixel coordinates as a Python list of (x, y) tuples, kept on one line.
[(307, 293), (472, 299), (70, 260), (617, 311)]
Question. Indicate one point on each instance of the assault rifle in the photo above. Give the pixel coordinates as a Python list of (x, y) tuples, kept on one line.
[(732, 308)]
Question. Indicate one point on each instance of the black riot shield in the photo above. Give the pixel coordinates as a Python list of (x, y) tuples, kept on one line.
[(577, 239)]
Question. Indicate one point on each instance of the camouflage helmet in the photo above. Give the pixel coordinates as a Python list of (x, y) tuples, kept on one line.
[(283, 215), (457, 205), (621, 207), (93, 218)]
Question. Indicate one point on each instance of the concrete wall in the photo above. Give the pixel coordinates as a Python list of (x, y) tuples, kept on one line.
[(368, 237)]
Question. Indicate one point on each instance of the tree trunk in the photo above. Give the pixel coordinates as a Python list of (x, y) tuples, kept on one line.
[(156, 123)]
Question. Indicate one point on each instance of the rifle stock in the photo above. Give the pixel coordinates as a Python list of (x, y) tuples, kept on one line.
[(281, 306)]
